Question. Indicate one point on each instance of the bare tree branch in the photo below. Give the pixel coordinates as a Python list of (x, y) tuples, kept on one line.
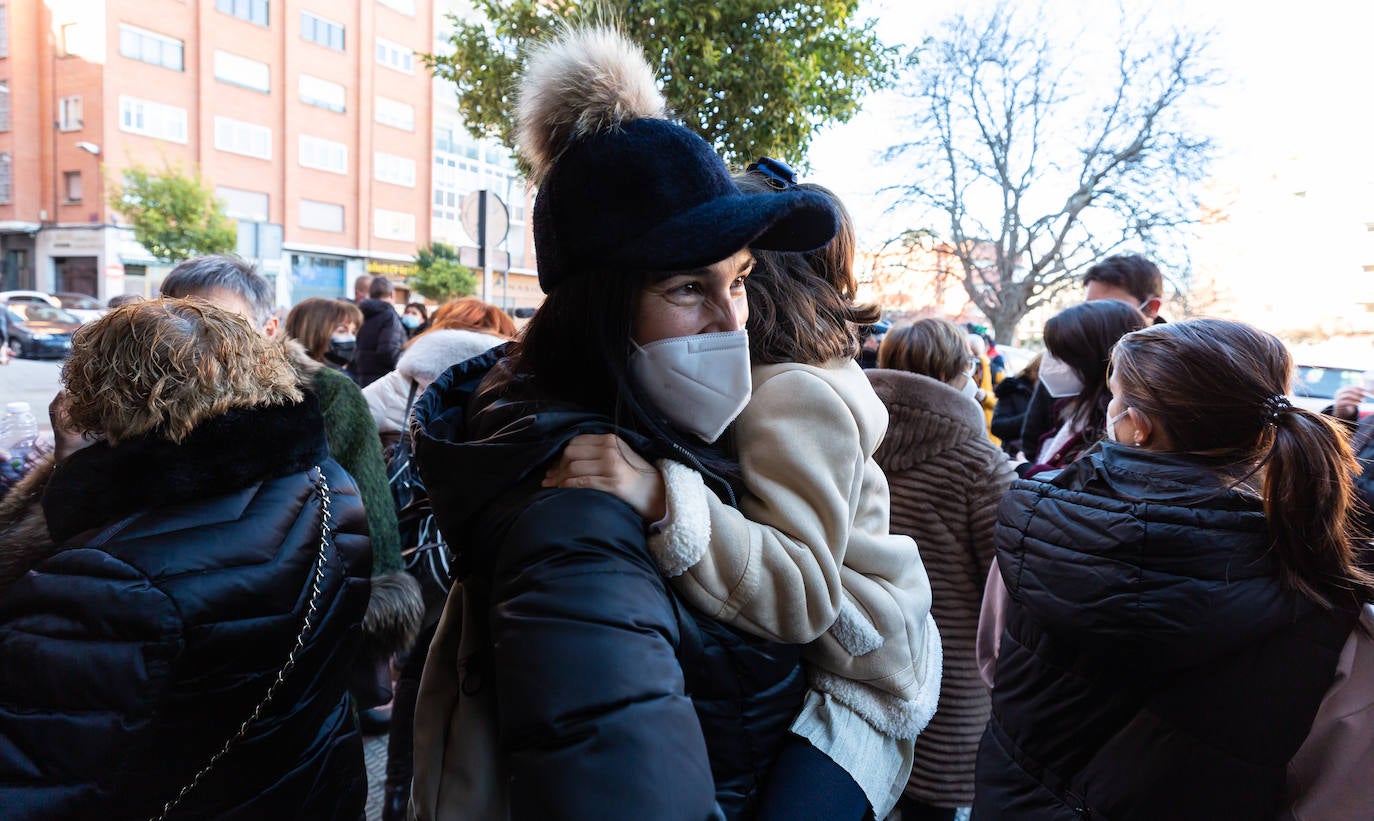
[(1036, 172)]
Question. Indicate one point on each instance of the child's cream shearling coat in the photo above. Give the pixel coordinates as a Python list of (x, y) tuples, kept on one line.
[(808, 556)]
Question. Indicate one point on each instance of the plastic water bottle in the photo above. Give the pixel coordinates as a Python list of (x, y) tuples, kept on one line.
[(18, 440)]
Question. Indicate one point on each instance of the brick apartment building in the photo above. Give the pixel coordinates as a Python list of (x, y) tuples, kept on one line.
[(313, 120)]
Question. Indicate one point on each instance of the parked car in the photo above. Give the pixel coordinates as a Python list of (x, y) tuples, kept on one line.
[(34, 329), (1314, 386), (82, 306), (29, 296)]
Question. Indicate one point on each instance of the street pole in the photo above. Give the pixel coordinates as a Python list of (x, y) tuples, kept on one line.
[(483, 256)]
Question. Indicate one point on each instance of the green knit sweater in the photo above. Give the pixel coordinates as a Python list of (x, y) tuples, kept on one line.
[(354, 444)]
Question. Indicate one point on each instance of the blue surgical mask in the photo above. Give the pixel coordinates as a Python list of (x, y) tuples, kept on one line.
[(411, 321)]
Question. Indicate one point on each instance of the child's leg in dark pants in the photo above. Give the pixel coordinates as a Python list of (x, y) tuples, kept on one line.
[(805, 784)]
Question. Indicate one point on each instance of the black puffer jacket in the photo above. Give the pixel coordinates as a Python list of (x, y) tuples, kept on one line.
[(1152, 666), (615, 701), (379, 341), (1013, 399), (1363, 443), (153, 620)]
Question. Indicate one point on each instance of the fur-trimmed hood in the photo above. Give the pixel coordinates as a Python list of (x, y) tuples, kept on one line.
[(100, 484), (434, 352)]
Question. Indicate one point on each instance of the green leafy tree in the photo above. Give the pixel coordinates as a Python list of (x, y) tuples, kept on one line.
[(439, 275), (753, 77), (174, 214)]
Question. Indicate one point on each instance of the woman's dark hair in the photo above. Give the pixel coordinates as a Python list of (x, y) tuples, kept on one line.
[(576, 348), (931, 347), (312, 321), (1216, 389), (801, 305), (1082, 336), (419, 306)]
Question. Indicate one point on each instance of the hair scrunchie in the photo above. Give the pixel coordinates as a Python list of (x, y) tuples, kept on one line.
[(1274, 407)]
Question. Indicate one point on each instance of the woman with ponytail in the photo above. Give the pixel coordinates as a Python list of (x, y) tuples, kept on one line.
[(1179, 597)]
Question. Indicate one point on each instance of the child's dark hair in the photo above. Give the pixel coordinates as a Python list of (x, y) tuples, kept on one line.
[(801, 306), (1216, 389)]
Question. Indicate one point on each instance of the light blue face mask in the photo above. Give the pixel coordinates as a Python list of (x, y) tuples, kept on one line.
[(411, 321)]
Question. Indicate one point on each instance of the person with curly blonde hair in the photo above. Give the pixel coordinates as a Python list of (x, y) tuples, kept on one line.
[(182, 592)]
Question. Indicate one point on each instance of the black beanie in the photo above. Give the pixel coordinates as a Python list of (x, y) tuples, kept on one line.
[(623, 189)]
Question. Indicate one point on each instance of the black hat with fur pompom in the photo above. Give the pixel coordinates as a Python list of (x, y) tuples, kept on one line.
[(623, 189)]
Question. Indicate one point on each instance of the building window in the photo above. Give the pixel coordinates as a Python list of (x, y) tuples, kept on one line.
[(323, 155), (243, 205), (321, 216), (254, 11), (241, 71), (322, 93), (69, 116), (164, 122), (406, 7), (394, 113), (395, 56), (396, 225), (238, 137), (393, 169), (6, 181), (4, 32), (71, 185), (324, 32), (4, 105), (150, 47)]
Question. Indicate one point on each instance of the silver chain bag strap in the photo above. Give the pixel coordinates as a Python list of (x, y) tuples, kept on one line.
[(322, 488)]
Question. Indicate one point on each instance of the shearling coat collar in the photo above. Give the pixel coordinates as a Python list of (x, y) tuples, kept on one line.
[(99, 484)]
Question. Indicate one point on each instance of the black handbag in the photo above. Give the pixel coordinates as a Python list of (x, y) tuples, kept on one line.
[(423, 548)]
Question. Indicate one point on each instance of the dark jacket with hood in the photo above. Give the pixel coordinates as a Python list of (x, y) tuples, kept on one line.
[(1362, 440), (613, 699), (1152, 664), (1013, 400), (379, 341), (149, 595)]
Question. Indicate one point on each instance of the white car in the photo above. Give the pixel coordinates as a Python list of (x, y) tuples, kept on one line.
[(1315, 386), (29, 296)]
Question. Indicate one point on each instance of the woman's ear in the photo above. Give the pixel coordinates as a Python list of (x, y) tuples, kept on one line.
[(1142, 428)]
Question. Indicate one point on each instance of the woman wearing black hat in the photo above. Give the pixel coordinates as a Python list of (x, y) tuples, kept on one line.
[(566, 679)]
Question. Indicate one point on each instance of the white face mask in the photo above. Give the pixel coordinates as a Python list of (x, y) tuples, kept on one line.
[(1059, 377), (700, 383), (1111, 425), (970, 388)]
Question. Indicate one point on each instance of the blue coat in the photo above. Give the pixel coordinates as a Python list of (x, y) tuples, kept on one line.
[(149, 626), (614, 699)]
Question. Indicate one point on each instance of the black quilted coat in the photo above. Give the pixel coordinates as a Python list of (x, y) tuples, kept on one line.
[(615, 701), (151, 617), (1152, 665)]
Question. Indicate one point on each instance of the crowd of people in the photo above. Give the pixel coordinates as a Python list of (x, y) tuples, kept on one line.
[(717, 542)]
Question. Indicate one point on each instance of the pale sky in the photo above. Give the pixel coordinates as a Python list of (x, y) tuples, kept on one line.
[(1294, 116)]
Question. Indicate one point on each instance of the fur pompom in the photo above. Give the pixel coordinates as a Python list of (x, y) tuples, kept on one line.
[(587, 81)]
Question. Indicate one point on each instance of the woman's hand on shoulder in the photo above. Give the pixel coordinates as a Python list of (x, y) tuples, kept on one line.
[(604, 462)]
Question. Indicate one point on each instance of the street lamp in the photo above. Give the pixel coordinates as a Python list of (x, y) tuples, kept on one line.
[(89, 148)]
